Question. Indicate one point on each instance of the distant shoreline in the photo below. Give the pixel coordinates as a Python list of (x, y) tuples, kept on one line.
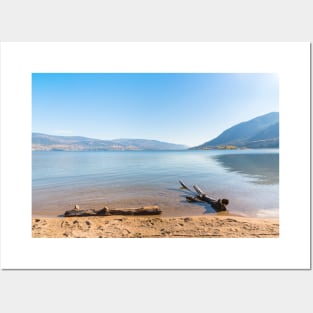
[(171, 150)]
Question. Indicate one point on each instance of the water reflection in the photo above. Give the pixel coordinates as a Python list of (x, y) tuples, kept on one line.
[(262, 168)]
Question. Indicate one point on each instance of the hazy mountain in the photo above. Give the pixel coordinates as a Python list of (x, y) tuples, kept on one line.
[(260, 132), (268, 138), (77, 143), (144, 144)]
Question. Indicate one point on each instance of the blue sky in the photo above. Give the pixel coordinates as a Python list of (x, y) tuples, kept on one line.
[(188, 108)]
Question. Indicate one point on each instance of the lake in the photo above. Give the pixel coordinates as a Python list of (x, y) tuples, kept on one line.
[(248, 178)]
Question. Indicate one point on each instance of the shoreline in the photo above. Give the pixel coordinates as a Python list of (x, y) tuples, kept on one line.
[(118, 226)]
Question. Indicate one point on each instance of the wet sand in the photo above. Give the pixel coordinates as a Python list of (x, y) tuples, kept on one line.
[(213, 226)]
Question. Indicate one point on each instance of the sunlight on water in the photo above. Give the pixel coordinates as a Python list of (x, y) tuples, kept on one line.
[(249, 178)]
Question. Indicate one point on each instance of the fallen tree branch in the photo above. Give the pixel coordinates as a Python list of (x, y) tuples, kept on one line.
[(145, 210), (218, 205)]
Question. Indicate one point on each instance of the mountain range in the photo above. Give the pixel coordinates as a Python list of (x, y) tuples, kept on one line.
[(46, 142), (259, 132)]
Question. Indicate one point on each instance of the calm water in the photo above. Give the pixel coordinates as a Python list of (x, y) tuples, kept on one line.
[(248, 178)]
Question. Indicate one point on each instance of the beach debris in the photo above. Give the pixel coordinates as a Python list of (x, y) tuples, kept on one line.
[(87, 212), (199, 196), (145, 210)]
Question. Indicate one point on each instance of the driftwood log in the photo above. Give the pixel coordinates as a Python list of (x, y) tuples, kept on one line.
[(218, 205), (145, 210)]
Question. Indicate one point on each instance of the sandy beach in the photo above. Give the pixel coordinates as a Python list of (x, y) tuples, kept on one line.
[(213, 226)]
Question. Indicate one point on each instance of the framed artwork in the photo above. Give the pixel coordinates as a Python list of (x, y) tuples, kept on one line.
[(155, 155)]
